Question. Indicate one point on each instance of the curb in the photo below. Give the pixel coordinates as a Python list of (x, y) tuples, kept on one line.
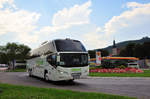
[(148, 78)]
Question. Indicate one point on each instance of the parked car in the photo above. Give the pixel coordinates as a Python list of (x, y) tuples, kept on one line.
[(3, 67), (133, 64)]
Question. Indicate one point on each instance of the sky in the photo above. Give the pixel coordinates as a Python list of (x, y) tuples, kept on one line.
[(96, 23)]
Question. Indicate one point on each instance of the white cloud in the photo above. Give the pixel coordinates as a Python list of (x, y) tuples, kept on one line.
[(10, 3), (74, 22), (77, 15), (27, 38), (135, 5), (132, 21), (95, 39), (67, 18), (130, 24), (22, 23), (99, 29), (19, 22)]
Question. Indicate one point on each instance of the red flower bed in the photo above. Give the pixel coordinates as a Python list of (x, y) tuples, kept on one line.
[(117, 70)]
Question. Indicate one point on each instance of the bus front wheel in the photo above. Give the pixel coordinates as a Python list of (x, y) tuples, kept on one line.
[(71, 80), (46, 77), (30, 73)]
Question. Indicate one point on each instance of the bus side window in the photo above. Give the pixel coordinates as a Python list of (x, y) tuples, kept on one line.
[(51, 59)]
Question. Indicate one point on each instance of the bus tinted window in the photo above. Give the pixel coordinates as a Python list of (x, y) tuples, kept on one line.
[(69, 45), (73, 59)]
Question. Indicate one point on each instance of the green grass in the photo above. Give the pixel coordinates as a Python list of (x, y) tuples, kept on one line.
[(145, 74), (17, 70), (25, 92)]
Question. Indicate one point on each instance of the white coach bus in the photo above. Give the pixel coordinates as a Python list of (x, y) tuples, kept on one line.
[(61, 59)]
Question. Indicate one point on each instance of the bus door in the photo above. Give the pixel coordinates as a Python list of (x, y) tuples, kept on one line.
[(51, 59)]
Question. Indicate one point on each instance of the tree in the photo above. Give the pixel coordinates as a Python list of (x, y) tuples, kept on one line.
[(23, 51), (146, 49), (17, 51), (13, 51), (123, 52), (128, 50), (136, 50), (3, 58), (104, 52), (92, 53)]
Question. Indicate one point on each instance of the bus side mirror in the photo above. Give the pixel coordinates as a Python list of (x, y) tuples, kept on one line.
[(51, 59), (58, 58)]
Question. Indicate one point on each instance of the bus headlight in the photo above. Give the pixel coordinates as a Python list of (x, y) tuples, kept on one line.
[(86, 71), (62, 72)]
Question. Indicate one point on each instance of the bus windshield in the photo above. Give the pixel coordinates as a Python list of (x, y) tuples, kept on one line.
[(69, 45), (73, 59)]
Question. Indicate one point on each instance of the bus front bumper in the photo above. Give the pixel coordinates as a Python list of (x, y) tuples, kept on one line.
[(72, 76)]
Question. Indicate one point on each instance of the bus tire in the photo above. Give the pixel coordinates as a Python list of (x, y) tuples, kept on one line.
[(46, 77), (71, 80), (30, 72)]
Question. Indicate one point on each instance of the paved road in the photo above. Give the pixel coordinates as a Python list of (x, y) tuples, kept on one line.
[(136, 87)]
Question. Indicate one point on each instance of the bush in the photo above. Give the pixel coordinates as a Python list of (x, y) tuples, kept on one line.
[(122, 67), (0, 90), (117, 70), (114, 64), (107, 64), (96, 67)]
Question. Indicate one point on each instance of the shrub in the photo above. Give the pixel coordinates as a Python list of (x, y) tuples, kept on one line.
[(117, 70), (122, 67), (107, 64), (95, 67), (0, 90)]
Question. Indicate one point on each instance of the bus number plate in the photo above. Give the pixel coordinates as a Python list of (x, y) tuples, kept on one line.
[(76, 75)]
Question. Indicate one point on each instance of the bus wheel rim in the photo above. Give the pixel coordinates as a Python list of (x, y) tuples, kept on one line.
[(46, 77), (30, 73)]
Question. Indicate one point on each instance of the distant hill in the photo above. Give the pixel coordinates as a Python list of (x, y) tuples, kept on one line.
[(124, 43)]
